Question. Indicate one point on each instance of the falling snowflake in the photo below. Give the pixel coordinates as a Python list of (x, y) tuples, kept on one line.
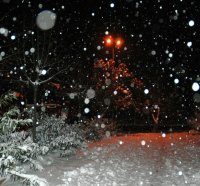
[(176, 81), (112, 5), (146, 91), (121, 142), (86, 101), (195, 86), (46, 20), (189, 44), (143, 142), (191, 23), (86, 110), (90, 93)]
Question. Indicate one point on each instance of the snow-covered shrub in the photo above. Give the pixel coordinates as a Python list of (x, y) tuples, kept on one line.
[(28, 179), (11, 120), (10, 117), (17, 148), (59, 136), (7, 98), (194, 121), (98, 128)]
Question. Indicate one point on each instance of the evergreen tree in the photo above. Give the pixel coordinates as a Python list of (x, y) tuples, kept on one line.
[(116, 87)]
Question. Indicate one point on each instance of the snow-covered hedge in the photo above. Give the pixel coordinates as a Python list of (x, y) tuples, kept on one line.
[(98, 128), (59, 136)]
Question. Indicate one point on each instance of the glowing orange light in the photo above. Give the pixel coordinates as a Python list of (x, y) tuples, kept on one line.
[(108, 40), (119, 42), (113, 43)]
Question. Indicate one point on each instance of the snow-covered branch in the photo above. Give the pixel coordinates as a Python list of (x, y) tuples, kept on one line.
[(33, 180)]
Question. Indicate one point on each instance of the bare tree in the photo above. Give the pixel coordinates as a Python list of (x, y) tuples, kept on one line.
[(34, 57)]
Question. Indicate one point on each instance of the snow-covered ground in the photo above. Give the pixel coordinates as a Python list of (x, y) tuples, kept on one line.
[(149, 159)]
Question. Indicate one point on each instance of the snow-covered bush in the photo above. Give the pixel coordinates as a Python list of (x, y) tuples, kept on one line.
[(98, 128), (17, 148), (7, 98), (11, 120), (10, 117), (18, 152), (59, 136)]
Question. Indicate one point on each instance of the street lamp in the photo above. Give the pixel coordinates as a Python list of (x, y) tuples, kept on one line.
[(114, 43)]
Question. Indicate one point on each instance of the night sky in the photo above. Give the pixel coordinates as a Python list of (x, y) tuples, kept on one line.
[(162, 40)]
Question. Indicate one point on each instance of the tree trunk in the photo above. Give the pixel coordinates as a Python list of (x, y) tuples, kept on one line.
[(35, 89)]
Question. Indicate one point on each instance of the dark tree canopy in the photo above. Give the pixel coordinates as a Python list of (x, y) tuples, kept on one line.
[(116, 85)]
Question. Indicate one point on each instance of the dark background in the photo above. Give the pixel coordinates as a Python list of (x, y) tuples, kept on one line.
[(146, 26)]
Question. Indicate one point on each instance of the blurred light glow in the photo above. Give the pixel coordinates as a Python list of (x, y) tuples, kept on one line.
[(176, 81), (86, 110), (189, 44), (108, 41), (112, 5), (195, 86), (146, 91), (43, 72), (191, 23), (119, 42)]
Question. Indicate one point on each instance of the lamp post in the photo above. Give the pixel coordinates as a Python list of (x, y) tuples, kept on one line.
[(114, 43)]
